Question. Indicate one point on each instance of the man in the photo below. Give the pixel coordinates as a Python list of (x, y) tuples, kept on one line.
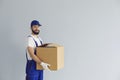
[(34, 41)]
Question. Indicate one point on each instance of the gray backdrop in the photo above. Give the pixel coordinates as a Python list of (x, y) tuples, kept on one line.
[(88, 29)]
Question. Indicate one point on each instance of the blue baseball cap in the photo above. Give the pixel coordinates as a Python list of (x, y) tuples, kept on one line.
[(35, 22)]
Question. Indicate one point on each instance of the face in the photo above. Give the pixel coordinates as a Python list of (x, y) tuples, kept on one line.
[(35, 29)]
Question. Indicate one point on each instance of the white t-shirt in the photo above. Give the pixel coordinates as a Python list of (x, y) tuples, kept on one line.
[(31, 43)]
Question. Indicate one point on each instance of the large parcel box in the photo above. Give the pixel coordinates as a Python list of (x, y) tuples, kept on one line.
[(52, 54)]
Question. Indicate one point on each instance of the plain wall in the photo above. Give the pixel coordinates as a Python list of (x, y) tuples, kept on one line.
[(88, 29)]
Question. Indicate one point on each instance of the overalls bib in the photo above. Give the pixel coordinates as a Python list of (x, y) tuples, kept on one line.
[(31, 72)]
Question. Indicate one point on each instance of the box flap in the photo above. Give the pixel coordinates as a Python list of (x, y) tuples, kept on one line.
[(49, 45), (53, 45)]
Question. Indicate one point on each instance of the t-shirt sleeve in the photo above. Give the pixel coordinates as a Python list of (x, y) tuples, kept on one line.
[(30, 42)]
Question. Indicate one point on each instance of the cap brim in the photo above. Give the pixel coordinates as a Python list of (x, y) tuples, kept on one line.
[(40, 25)]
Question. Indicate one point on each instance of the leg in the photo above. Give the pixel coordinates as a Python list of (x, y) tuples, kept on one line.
[(40, 75), (32, 77)]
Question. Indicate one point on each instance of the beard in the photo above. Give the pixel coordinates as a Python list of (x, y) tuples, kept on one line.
[(36, 32)]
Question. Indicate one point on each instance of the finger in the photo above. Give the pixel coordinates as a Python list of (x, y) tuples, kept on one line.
[(48, 65), (47, 69)]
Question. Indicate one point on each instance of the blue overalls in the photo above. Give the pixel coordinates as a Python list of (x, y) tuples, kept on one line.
[(31, 72)]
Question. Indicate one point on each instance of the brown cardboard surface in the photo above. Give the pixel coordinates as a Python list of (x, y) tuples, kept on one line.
[(52, 54)]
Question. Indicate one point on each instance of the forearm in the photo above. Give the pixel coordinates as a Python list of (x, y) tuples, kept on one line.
[(33, 56), (36, 59)]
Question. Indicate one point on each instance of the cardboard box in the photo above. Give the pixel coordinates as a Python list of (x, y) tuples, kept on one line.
[(52, 54)]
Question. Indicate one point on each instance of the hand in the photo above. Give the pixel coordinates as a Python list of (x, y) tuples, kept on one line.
[(44, 45), (45, 66)]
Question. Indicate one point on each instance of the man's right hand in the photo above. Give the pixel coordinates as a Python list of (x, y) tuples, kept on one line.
[(45, 66)]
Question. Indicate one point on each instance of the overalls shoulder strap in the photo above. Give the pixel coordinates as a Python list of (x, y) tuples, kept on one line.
[(34, 41), (41, 41), (35, 44)]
